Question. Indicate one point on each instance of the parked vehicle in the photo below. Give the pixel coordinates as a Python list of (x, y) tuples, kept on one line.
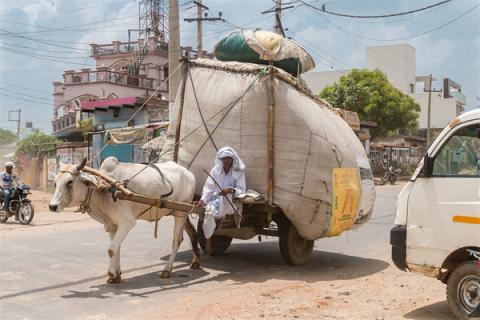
[(20, 206), (437, 224), (391, 175)]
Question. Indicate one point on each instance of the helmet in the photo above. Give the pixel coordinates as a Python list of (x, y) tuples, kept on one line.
[(9, 164)]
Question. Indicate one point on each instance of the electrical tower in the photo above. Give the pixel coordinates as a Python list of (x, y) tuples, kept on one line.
[(153, 20)]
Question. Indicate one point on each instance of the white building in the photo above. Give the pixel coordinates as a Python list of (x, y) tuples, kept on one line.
[(398, 62)]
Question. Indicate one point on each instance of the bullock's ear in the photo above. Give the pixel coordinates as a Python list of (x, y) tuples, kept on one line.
[(88, 179)]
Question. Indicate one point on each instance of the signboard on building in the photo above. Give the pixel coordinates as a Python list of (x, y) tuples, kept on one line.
[(51, 168), (156, 115)]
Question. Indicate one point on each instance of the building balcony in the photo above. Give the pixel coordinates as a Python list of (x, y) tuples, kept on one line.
[(102, 74), (119, 47)]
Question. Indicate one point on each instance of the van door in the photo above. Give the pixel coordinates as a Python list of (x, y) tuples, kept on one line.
[(444, 208)]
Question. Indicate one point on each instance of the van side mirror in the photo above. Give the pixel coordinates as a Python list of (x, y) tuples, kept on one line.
[(427, 166)]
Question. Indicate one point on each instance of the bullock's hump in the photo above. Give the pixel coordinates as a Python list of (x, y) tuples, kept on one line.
[(109, 164)]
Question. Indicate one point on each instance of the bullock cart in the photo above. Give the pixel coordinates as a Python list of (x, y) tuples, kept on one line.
[(258, 218)]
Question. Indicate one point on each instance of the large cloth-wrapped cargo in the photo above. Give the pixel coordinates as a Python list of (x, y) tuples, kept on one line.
[(321, 174)]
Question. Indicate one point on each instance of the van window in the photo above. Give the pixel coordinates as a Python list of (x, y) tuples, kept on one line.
[(460, 156)]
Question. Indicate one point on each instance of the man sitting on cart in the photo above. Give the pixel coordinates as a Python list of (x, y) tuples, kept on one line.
[(227, 179)]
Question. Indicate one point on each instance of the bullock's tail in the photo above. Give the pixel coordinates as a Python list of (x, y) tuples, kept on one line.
[(193, 235)]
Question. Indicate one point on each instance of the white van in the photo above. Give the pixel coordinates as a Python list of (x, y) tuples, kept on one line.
[(437, 223)]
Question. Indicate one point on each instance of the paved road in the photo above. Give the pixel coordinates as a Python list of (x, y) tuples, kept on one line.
[(57, 271)]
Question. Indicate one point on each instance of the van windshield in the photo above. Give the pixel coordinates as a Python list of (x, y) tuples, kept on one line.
[(460, 156)]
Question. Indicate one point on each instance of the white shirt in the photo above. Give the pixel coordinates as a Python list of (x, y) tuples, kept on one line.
[(233, 179)]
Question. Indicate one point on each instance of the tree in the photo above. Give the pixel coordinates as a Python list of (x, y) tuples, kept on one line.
[(7, 137), (371, 95), (37, 142)]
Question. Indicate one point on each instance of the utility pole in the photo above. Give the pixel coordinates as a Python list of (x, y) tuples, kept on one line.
[(278, 16), (174, 53), (17, 119), (199, 19), (430, 90)]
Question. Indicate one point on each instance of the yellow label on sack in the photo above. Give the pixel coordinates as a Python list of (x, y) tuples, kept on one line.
[(346, 198)]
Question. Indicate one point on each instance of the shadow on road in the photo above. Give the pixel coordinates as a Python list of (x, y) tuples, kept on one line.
[(250, 262), (437, 311), (258, 262)]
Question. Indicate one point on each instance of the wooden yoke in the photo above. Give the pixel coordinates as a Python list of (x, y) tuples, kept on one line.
[(125, 194)]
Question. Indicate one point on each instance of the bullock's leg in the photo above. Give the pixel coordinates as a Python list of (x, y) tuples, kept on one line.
[(114, 249), (192, 234), (114, 264), (177, 240)]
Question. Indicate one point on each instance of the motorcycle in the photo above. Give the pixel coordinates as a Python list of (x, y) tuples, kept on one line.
[(391, 175), (19, 206)]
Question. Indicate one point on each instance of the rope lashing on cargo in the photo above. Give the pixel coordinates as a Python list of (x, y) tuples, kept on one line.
[(251, 86), (200, 111), (232, 105)]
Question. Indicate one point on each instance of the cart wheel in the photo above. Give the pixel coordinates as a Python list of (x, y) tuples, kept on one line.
[(220, 243), (295, 250)]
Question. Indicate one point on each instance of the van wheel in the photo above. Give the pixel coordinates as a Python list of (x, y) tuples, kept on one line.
[(463, 290), (295, 249)]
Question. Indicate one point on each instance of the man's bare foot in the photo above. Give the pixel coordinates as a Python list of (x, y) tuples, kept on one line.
[(208, 246)]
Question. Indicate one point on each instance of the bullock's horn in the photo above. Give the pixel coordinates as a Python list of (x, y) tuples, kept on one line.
[(82, 165)]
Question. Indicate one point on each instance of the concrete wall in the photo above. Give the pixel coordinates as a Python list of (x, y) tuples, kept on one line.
[(397, 62), (316, 81), (442, 110)]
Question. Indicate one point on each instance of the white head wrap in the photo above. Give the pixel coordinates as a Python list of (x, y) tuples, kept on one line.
[(224, 152)]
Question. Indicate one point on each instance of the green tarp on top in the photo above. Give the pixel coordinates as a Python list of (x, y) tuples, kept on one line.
[(261, 46)]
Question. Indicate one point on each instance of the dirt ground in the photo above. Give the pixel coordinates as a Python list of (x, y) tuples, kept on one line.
[(389, 294), (346, 287)]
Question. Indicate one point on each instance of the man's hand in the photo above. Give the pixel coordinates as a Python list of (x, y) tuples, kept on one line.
[(200, 203), (226, 191)]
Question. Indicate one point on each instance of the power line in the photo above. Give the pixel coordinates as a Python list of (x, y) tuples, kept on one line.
[(24, 94), (324, 10), (25, 99), (53, 59), (74, 26), (403, 38), (360, 45)]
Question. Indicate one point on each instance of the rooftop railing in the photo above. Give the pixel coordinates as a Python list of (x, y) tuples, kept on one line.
[(102, 74)]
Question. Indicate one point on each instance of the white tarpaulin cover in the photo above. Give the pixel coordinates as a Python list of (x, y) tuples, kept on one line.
[(313, 146)]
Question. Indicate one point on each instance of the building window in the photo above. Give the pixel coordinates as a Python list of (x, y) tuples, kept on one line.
[(131, 123), (412, 88), (116, 113)]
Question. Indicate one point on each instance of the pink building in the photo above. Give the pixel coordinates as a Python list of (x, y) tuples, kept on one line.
[(123, 69)]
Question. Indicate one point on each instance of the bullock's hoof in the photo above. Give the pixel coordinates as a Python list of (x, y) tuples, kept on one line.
[(165, 274), (195, 265), (112, 279)]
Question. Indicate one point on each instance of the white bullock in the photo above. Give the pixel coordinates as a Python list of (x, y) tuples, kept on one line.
[(73, 187)]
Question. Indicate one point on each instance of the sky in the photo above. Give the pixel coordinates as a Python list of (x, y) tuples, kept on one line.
[(39, 39)]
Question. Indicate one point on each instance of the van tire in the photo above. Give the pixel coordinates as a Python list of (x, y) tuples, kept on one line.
[(465, 272)]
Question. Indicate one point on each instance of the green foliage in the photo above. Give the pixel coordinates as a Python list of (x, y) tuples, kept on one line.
[(86, 125), (371, 95), (38, 142), (7, 137)]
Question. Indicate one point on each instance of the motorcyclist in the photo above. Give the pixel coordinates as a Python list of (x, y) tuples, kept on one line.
[(7, 180)]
